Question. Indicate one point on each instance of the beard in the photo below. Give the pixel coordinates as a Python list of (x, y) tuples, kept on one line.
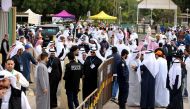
[(52, 56), (3, 87), (125, 57), (77, 54)]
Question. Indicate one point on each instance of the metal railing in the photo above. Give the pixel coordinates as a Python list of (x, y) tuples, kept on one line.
[(88, 103), (102, 94)]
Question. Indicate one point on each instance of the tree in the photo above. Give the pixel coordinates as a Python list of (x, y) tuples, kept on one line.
[(182, 4), (80, 7), (43, 7)]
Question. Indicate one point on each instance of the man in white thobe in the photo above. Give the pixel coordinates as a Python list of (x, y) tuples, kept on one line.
[(134, 85), (60, 47), (11, 97), (161, 92), (21, 80)]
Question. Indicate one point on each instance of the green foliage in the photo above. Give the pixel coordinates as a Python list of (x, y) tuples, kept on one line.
[(80, 8), (182, 4), (77, 7)]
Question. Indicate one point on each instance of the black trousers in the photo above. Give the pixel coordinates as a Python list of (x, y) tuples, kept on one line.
[(72, 98), (123, 94), (53, 92)]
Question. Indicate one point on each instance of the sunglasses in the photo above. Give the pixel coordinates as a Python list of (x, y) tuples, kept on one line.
[(92, 52)]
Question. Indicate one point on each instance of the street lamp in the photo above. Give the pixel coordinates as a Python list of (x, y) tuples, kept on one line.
[(187, 15), (120, 17)]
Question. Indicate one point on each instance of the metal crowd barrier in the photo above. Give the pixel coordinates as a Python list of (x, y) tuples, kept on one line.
[(88, 102), (99, 97)]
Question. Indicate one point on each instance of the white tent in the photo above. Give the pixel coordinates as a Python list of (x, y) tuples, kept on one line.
[(33, 18), (158, 4)]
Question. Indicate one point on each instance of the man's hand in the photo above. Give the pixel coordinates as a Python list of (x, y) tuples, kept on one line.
[(17, 77), (45, 91), (133, 67), (2, 92)]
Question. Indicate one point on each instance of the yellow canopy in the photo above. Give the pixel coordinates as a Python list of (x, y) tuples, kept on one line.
[(103, 16)]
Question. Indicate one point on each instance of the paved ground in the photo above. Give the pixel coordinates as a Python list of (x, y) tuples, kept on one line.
[(62, 103), (62, 100), (61, 96), (112, 105)]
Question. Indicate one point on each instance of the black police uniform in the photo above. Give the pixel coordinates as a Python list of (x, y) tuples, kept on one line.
[(73, 73), (123, 78)]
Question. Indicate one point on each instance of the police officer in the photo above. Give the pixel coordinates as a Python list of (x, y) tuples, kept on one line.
[(123, 78), (73, 73)]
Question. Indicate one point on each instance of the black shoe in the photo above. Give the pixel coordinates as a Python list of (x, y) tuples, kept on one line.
[(54, 106), (114, 100), (122, 107)]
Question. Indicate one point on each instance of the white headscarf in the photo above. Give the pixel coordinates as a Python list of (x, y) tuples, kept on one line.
[(48, 48), (5, 74), (49, 44), (151, 63), (133, 46), (83, 38), (181, 47), (133, 55), (120, 35), (133, 36), (66, 32), (15, 50), (59, 45), (108, 52), (173, 72), (96, 42), (82, 50)]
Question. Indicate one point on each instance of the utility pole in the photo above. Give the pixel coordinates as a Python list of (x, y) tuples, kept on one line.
[(187, 16)]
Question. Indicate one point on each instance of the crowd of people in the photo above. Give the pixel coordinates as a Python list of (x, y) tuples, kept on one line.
[(151, 71)]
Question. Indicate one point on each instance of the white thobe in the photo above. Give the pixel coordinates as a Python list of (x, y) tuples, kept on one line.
[(187, 65), (38, 50), (134, 85), (22, 80), (161, 92), (59, 47), (6, 98)]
